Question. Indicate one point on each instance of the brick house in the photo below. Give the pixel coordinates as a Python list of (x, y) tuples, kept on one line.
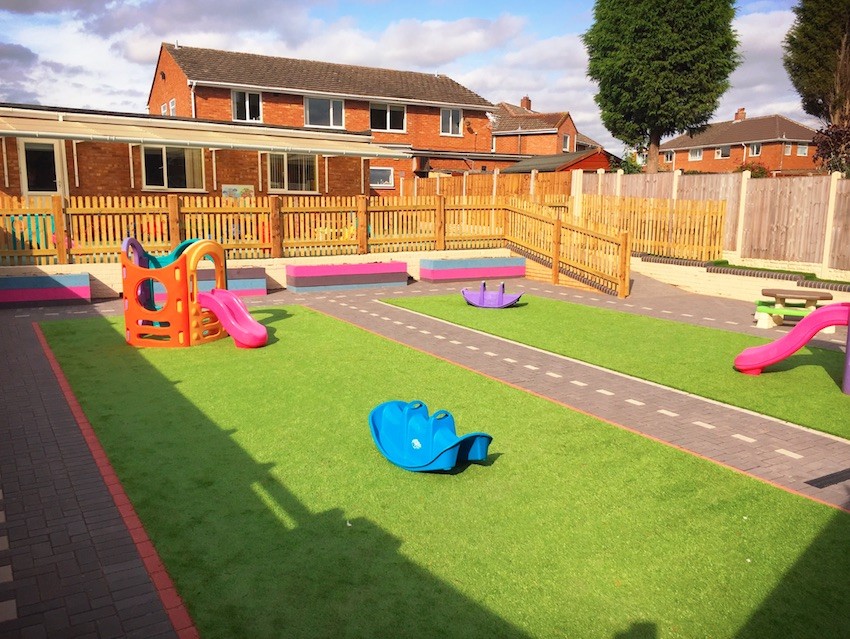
[(518, 129), (781, 145), (441, 124), (50, 150), (586, 160)]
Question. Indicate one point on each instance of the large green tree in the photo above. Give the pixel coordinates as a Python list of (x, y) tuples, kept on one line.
[(816, 58), (661, 66)]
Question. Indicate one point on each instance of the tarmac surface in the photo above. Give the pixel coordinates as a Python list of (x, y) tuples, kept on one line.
[(75, 561)]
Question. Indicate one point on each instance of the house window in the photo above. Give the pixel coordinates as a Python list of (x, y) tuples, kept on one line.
[(169, 167), (40, 169), (450, 121), (246, 106), (786, 148), (565, 144), (323, 112), (381, 177), (163, 109), (172, 107), (695, 155), (386, 117), (669, 156), (722, 152), (293, 172), (802, 148), (755, 149)]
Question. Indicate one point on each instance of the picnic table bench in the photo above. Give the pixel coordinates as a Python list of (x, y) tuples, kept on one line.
[(787, 303)]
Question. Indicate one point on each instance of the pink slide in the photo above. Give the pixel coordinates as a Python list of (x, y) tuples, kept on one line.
[(235, 318), (754, 359)]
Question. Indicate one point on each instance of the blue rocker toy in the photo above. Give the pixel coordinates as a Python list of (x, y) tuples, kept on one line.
[(410, 439)]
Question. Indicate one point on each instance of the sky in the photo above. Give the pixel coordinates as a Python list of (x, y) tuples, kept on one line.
[(101, 55)]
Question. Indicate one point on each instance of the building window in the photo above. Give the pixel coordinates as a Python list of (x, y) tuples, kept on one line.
[(695, 155), (565, 144), (293, 172), (172, 107), (450, 121), (40, 167), (169, 167), (386, 117), (246, 106), (323, 112), (669, 156), (786, 148), (755, 149), (802, 148), (381, 177), (163, 109), (722, 152)]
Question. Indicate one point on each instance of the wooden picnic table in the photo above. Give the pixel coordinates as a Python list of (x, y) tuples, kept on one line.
[(796, 302)]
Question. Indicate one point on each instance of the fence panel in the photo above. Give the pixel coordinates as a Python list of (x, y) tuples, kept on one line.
[(474, 222), (839, 256), (317, 226), (241, 225), (786, 219), (402, 224), (716, 186), (27, 232), (98, 225), (648, 185)]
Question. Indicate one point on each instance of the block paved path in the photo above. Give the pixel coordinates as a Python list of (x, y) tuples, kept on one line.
[(69, 565)]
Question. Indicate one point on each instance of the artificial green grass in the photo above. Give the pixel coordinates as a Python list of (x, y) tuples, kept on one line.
[(804, 389), (256, 477)]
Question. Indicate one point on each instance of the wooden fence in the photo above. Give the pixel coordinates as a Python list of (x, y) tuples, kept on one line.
[(532, 185)]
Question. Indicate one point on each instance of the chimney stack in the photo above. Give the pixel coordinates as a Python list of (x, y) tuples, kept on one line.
[(740, 114), (525, 103)]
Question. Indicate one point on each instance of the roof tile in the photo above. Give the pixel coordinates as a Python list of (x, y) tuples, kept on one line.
[(768, 128)]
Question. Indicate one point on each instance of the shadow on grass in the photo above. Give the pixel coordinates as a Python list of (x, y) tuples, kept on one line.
[(818, 358), (249, 558)]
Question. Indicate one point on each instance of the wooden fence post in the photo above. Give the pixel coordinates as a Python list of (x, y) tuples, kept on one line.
[(495, 183), (828, 231), (174, 220), (440, 223), (275, 226), (532, 183), (556, 252), (576, 189), (618, 185), (600, 175), (362, 224), (60, 232), (625, 266)]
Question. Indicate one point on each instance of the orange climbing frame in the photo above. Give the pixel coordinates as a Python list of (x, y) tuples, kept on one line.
[(178, 320)]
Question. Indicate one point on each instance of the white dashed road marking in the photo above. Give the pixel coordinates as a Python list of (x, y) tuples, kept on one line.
[(704, 425), (788, 453), (743, 438)]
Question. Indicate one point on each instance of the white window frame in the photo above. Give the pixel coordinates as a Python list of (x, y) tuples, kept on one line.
[(286, 188), (451, 111), (387, 108), (166, 187), (802, 149), (669, 156), (163, 108), (754, 149), (565, 143), (786, 148), (243, 98), (719, 153), (334, 105), (382, 185), (58, 166), (694, 155), (172, 107)]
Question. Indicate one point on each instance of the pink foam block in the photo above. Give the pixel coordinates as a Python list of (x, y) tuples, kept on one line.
[(472, 273), (46, 294), (323, 270)]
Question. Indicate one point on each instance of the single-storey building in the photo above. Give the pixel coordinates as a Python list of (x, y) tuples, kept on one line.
[(76, 152), (587, 160)]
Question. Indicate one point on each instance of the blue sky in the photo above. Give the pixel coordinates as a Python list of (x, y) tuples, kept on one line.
[(101, 55)]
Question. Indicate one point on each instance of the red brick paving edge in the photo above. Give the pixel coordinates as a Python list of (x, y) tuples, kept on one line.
[(583, 412), (171, 600)]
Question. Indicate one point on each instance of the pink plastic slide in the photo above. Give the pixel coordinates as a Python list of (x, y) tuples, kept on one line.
[(235, 318), (756, 358)]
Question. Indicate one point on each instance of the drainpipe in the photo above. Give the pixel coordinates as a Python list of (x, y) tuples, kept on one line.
[(192, 89)]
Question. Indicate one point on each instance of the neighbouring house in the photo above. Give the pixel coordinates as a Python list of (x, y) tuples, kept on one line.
[(440, 124), (71, 152), (781, 145), (586, 160), (518, 129)]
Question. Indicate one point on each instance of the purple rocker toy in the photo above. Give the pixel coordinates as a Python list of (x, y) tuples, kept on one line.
[(488, 299)]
